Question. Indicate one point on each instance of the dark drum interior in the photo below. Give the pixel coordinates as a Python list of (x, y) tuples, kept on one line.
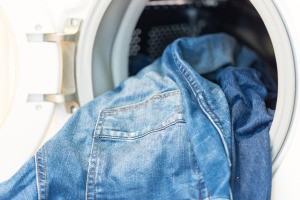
[(163, 21)]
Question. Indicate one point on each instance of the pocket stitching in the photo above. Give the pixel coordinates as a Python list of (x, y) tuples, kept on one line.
[(138, 136), (106, 133)]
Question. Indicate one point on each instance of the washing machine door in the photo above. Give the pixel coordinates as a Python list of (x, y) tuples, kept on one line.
[(39, 50), (39, 43), (25, 72), (286, 180)]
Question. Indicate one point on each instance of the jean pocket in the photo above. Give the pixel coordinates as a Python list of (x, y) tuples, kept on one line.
[(134, 121)]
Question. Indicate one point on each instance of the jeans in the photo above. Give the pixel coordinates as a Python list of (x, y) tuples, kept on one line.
[(247, 86), (162, 134), (251, 122), (239, 72)]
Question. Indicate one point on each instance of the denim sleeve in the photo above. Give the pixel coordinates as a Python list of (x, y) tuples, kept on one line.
[(59, 166), (23, 185)]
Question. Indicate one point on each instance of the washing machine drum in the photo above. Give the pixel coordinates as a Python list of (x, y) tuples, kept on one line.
[(130, 29)]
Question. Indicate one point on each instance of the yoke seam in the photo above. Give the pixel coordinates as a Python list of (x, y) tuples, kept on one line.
[(40, 159), (163, 95)]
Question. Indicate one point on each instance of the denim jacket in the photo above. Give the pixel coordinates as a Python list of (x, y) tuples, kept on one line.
[(162, 134)]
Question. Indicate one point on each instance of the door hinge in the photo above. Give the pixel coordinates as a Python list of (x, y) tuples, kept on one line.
[(67, 43)]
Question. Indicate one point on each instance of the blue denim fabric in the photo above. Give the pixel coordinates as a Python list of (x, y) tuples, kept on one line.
[(251, 122), (137, 63), (246, 95), (162, 134)]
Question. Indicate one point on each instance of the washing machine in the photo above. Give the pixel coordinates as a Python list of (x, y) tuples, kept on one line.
[(56, 56)]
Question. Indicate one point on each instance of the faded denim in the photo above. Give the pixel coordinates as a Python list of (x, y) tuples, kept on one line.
[(162, 134), (247, 87), (239, 72)]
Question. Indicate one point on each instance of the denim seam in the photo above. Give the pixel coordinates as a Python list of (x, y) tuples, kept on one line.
[(211, 112), (199, 178), (45, 172), (91, 178), (144, 134), (141, 104), (201, 182), (96, 172), (37, 176), (91, 159), (40, 159), (100, 124), (88, 173), (198, 94)]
